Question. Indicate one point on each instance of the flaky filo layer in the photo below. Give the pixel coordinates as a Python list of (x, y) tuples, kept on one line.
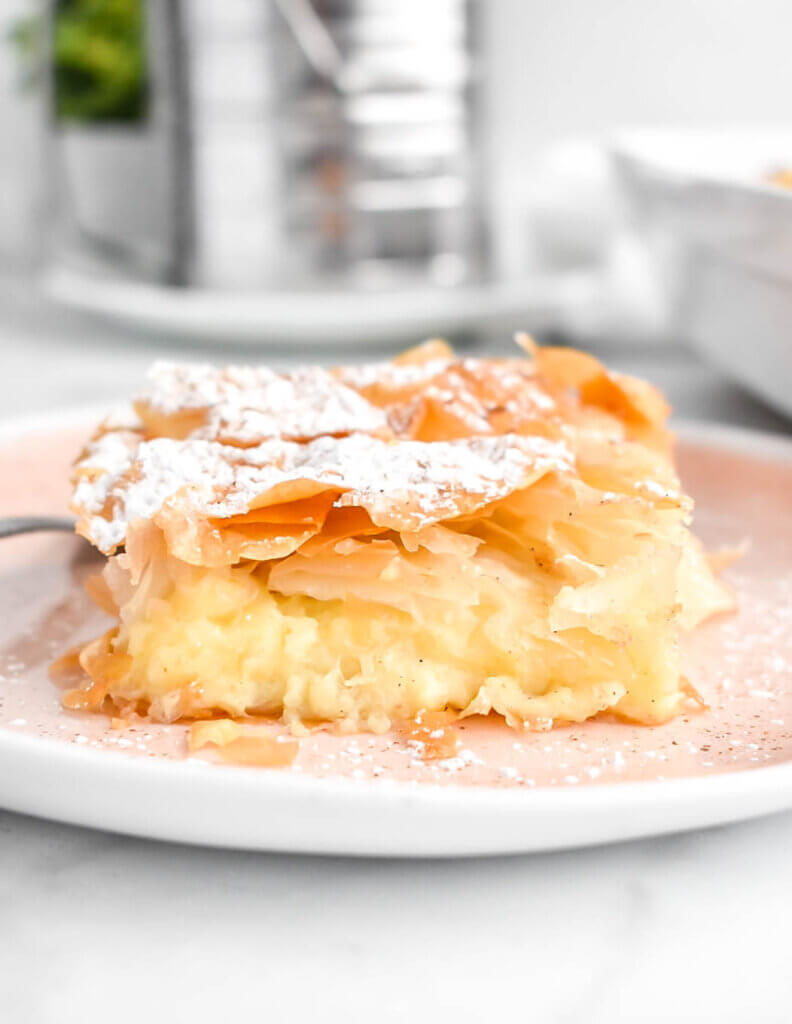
[(505, 535)]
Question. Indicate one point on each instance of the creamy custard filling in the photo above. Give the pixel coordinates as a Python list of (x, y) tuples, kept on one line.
[(484, 617)]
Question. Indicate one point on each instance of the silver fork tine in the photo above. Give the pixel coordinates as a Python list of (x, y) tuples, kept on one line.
[(15, 525)]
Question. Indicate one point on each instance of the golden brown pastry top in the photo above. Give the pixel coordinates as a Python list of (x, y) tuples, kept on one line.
[(245, 462)]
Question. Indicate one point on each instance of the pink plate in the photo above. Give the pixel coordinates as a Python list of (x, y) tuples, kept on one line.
[(504, 791)]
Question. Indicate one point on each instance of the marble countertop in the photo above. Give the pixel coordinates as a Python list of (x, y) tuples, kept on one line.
[(96, 927)]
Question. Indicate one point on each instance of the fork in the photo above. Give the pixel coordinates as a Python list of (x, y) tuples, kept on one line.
[(14, 525)]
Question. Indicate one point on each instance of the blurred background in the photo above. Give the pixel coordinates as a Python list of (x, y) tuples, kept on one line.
[(280, 180)]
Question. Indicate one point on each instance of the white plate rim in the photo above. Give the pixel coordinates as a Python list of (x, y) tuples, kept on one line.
[(244, 808)]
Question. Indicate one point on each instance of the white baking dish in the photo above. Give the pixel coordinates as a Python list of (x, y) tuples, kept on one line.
[(721, 237)]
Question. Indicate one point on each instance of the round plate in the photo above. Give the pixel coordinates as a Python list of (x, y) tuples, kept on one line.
[(318, 319), (506, 792)]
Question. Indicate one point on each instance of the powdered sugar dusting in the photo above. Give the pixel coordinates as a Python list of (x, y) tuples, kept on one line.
[(392, 376), (244, 406), (247, 405), (425, 483), (107, 458), (470, 390), (122, 417), (177, 386), (405, 484)]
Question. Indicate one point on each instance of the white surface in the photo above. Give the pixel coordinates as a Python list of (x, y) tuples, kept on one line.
[(689, 928), (722, 238), (242, 808)]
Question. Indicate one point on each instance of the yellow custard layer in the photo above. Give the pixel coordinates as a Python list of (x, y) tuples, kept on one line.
[(487, 619)]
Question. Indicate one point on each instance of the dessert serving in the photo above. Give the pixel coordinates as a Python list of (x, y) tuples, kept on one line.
[(368, 545)]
